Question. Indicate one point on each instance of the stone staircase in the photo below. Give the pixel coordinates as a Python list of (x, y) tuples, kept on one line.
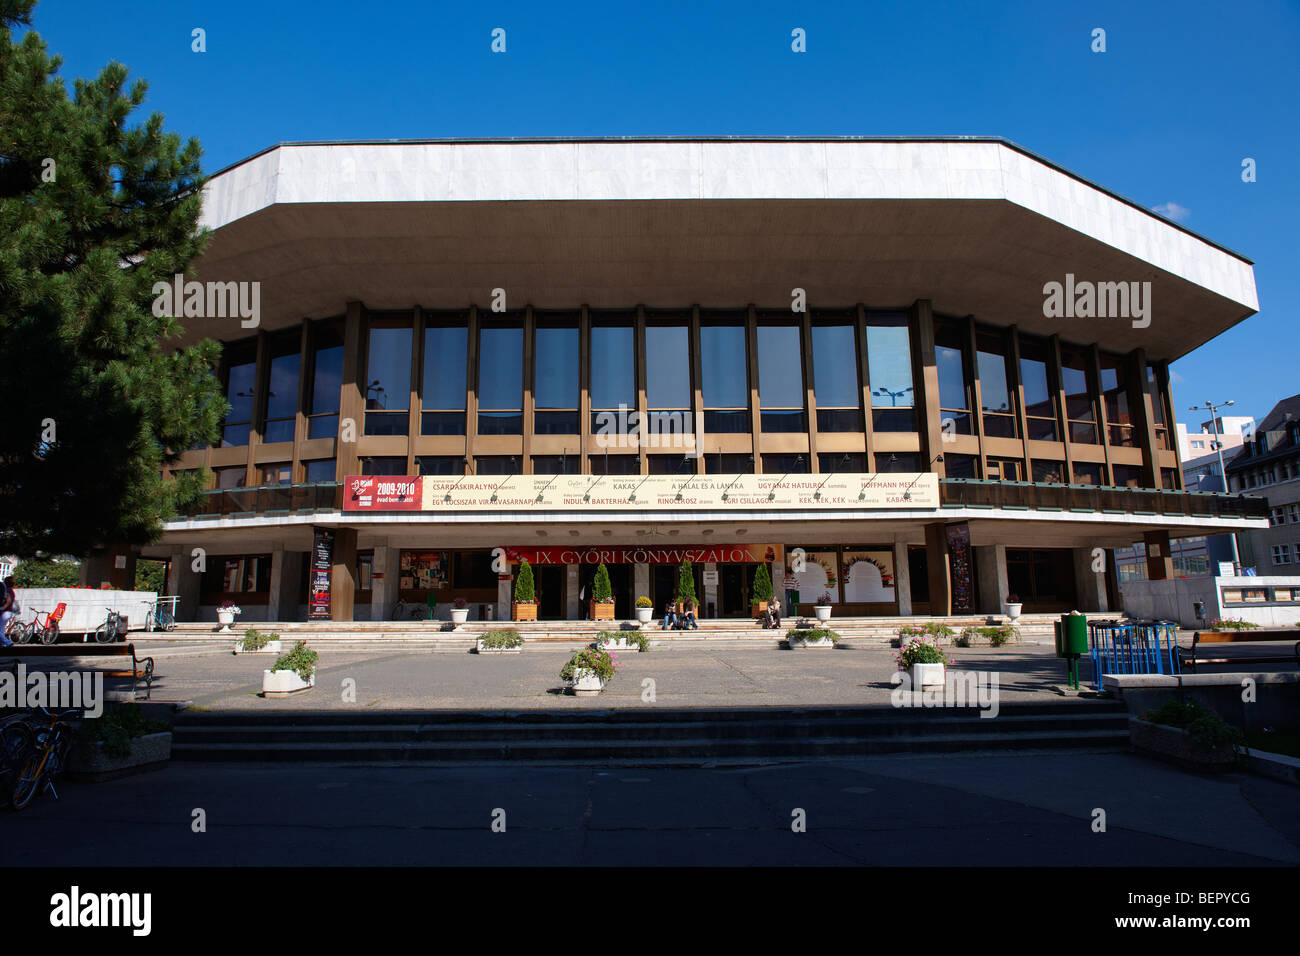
[(640, 737)]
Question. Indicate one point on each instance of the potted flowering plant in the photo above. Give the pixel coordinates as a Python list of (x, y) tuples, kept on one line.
[(459, 611), (644, 608), (1014, 607), (226, 612), (588, 670), (602, 596), (924, 659), (823, 607), (524, 607), (292, 672)]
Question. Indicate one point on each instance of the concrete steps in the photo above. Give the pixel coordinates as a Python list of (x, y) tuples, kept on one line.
[(686, 737)]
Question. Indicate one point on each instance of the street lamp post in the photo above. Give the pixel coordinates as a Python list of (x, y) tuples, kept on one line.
[(1223, 472)]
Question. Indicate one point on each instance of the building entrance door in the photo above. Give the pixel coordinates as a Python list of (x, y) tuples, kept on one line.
[(550, 592), (734, 583), (663, 586), (620, 583)]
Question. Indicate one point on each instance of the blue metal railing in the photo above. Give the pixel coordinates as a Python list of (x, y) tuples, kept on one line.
[(1133, 648)]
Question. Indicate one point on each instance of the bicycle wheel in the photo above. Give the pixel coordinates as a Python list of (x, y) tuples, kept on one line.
[(28, 633), (50, 633), (165, 620), (29, 779), (16, 740), (106, 633)]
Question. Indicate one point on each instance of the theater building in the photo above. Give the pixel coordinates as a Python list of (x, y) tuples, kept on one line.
[(911, 376)]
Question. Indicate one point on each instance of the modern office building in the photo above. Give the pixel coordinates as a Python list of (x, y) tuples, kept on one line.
[(1228, 431), (912, 376), (1268, 468)]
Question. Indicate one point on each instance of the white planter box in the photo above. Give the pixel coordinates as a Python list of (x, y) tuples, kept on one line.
[(927, 675), (823, 611), (478, 646), (270, 647), (459, 615), (146, 751), (643, 614), (586, 683), (1013, 610), (622, 644), (819, 642), (284, 683)]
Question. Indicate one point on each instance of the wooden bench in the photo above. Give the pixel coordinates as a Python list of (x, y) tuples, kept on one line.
[(141, 667), (1190, 658)]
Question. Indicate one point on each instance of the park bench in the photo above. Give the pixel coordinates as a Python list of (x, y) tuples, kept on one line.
[(141, 667), (1190, 657)]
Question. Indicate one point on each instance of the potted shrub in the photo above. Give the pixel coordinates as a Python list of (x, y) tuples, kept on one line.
[(823, 607), (812, 637), (500, 642), (254, 642), (1189, 733), (118, 742), (524, 607), (924, 659), (762, 590), (602, 596), (226, 612), (644, 609), (588, 670), (686, 588), (291, 672), (939, 631), (995, 634), (459, 611), (622, 641), (1014, 607)]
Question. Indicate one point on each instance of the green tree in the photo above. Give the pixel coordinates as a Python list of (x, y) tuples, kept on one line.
[(686, 584), (151, 576), (601, 589), (97, 398), (524, 582), (762, 589), (46, 573)]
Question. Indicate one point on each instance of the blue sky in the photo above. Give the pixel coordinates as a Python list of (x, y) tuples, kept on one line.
[(1183, 93)]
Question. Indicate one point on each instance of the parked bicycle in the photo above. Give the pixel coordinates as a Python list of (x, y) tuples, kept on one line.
[(162, 616), (114, 625), (18, 632), (47, 757), (410, 611), (16, 741), (47, 631)]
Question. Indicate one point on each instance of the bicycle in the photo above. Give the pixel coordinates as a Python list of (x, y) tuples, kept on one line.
[(18, 632), (108, 632), (410, 611), (48, 632), (162, 616), (51, 746), (16, 741)]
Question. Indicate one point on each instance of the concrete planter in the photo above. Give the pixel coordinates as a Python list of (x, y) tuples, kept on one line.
[(270, 647), (150, 752), (804, 642), (284, 683), (927, 675), (1013, 610), (586, 683), (459, 615), (622, 644), (225, 619), (823, 611), (643, 614), (1177, 745), (478, 646)]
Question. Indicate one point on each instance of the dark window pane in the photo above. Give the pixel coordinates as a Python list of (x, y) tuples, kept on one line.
[(445, 351), (282, 393), (1129, 476), (835, 367), (500, 423), (898, 462), (1041, 429), (668, 366), (323, 426), (780, 367), (670, 464), (440, 465), (1049, 472), (1039, 401), (239, 394), (995, 396), (555, 383), (785, 464), (729, 464), (442, 423), (233, 436), (555, 423), (1084, 433), (839, 419), (615, 464), (281, 430), (893, 420), (387, 423), (501, 368), (830, 462), (1005, 469), (722, 362), (388, 370), (556, 464), (786, 421), (496, 465), (613, 366), (383, 466), (276, 474), (236, 477), (322, 469), (1088, 473), (952, 378), (1000, 426), (961, 466), (727, 422)]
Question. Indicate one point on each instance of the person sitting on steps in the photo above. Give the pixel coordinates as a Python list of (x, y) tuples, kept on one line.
[(670, 617), (772, 616), (688, 615)]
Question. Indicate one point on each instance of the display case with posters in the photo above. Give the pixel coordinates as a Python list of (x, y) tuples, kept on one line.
[(424, 570), (869, 576)]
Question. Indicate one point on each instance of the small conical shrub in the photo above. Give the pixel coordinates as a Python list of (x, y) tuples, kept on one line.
[(762, 590), (524, 583), (601, 591), (686, 584)]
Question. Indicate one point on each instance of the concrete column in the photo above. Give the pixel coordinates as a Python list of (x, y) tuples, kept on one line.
[(504, 584), (274, 608), (343, 575), (640, 581), (572, 582), (710, 592), (1160, 561), (902, 579), (1090, 585), (936, 561), (991, 568), (184, 581), (778, 583), (383, 590)]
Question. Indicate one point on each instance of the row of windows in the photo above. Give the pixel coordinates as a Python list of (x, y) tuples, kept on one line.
[(1282, 553), (1259, 477), (439, 378), (1284, 514)]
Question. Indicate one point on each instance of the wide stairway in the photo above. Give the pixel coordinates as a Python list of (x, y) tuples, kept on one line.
[(730, 632), (636, 736)]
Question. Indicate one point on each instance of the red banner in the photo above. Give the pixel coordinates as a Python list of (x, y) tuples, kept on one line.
[(381, 493), (717, 554)]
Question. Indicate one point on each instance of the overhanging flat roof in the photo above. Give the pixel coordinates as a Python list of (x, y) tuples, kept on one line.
[(975, 224)]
